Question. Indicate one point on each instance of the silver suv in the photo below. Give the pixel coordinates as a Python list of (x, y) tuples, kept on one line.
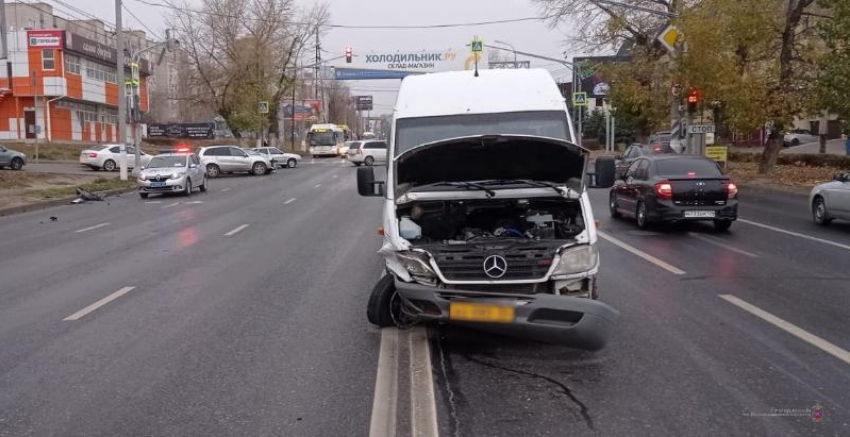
[(231, 159), (172, 173)]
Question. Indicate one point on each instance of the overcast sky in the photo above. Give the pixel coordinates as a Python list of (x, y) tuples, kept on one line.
[(529, 36)]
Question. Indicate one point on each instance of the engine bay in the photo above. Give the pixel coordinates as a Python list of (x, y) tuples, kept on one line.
[(468, 221)]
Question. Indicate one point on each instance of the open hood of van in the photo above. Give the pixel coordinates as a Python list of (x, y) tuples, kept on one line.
[(487, 157)]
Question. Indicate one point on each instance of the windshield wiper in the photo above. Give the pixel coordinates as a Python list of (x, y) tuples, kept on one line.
[(468, 186), (538, 184)]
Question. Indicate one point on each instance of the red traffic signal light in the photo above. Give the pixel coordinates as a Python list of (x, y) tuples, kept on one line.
[(348, 55), (693, 99)]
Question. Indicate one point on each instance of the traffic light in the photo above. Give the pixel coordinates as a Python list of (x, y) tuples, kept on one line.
[(693, 99), (348, 55)]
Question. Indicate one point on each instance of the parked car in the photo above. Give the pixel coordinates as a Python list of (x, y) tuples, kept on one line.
[(368, 152), (280, 158), (231, 159), (12, 158), (108, 156), (667, 139), (831, 200), (796, 137), (172, 173), (635, 151), (673, 188)]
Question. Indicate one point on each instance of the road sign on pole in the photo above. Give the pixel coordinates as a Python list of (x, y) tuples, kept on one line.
[(477, 45), (580, 98), (701, 129), (669, 37), (263, 107)]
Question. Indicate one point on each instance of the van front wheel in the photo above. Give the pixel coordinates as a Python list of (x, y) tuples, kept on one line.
[(384, 306)]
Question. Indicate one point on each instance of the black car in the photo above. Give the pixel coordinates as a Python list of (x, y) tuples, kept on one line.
[(673, 188), (635, 151)]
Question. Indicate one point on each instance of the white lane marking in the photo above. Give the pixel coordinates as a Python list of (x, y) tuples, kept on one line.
[(290, 201), (790, 328), (423, 407), (153, 202), (224, 190), (317, 185), (195, 202), (335, 176), (170, 205), (82, 313), (90, 228), (383, 422), (236, 230), (717, 243), (642, 254), (796, 234)]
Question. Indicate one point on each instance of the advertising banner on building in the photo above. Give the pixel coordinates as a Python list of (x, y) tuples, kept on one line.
[(304, 110), (99, 51), (45, 39), (363, 103)]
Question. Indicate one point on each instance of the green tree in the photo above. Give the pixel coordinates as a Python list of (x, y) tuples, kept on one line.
[(833, 85)]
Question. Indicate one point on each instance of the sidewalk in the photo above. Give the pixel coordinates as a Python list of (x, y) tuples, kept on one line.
[(833, 147)]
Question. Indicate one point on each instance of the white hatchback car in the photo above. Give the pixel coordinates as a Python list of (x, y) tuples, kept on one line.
[(280, 158), (368, 152), (107, 157)]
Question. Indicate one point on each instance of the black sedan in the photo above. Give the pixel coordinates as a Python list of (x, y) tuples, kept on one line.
[(674, 188)]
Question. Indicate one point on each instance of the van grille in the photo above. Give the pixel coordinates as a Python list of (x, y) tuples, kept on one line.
[(468, 265)]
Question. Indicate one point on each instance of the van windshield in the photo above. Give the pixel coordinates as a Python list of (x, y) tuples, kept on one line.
[(413, 132)]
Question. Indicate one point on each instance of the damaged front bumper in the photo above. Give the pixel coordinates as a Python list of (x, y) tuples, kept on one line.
[(577, 322)]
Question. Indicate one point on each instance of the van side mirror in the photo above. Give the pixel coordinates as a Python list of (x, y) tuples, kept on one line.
[(366, 183), (606, 172), (840, 177)]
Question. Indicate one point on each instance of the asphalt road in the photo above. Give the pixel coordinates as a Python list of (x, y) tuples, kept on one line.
[(260, 329)]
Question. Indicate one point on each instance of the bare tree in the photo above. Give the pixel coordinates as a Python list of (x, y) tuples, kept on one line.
[(240, 53)]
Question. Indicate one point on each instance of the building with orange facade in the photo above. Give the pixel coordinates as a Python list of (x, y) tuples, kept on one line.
[(62, 86)]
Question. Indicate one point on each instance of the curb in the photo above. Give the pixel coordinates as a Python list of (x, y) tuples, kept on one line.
[(5, 212)]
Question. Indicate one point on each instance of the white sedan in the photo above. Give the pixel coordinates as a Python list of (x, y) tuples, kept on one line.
[(108, 156), (280, 158), (831, 200)]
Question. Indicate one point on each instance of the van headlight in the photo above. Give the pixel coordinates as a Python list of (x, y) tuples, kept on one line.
[(417, 264), (577, 259)]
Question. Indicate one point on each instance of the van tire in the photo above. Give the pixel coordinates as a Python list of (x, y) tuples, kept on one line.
[(378, 309)]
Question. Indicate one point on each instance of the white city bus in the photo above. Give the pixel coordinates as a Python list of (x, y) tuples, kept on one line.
[(325, 139)]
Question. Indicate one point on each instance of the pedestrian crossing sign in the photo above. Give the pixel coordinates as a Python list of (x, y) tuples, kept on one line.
[(477, 45), (580, 99)]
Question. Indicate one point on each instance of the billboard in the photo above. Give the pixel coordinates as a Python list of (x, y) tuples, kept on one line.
[(363, 103), (304, 110), (593, 80), (44, 39), (182, 130)]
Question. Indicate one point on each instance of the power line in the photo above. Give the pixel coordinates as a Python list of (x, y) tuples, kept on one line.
[(84, 13), (141, 22), (349, 26), (73, 18)]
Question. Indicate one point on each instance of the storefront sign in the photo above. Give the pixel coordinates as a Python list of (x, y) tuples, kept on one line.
[(44, 39), (423, 60)]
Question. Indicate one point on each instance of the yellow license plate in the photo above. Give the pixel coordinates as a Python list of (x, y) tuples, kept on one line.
[(476, 312)]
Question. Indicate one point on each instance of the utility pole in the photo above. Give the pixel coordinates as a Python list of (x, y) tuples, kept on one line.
[(5, 47), (122, 102)]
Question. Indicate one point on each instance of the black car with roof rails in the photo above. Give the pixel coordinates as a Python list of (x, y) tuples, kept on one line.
[(674, 188)]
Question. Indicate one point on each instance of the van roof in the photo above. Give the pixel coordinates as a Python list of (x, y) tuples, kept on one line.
[(494, 91)]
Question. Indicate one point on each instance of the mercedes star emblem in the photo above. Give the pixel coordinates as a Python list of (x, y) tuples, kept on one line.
[(495, 266), (157, 177)]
